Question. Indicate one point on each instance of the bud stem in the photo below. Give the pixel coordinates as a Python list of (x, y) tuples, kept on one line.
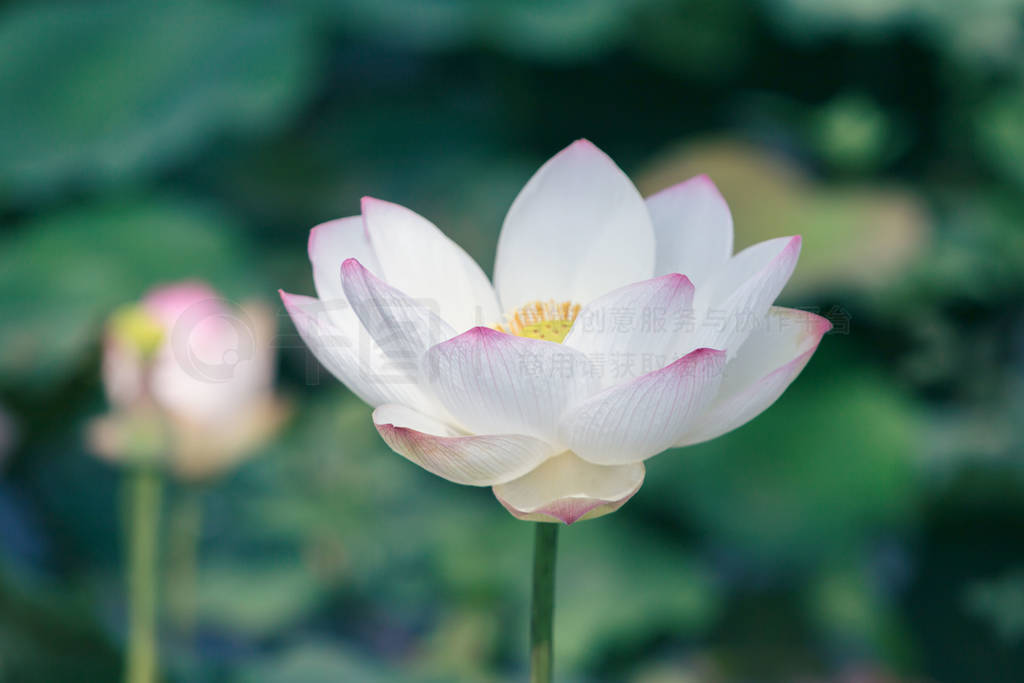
[(145, 488)]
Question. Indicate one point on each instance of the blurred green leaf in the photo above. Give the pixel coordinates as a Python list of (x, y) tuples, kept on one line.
[(100, 94), (850, 609), (317, 662), (829, 15), (980, 256), (410, 23), (986, 34), (706, 42), (256, 601), (60, 275), (1000, 601), (463, 645), (622, 586), (853, 133), (47, 632), (569, 31), (999, 126)]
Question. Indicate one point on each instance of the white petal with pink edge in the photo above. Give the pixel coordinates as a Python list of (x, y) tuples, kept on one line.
[(577, 230), (402, 327), (692, 229), (349, 353), (474, 460), (417, 258), (635, 420), (568, 489), (778, 352), (635, 329), (330, 245), (737, 297), (496, 383)]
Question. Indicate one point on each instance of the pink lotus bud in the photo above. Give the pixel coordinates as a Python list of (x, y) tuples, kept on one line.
[(204, 364)]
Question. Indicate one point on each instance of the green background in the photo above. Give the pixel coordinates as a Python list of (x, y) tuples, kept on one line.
[(868, 528)]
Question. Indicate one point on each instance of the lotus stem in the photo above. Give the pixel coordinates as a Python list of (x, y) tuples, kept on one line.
[(143, 525), (543, 607)]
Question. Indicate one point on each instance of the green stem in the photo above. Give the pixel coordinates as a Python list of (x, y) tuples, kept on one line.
[(143, 525), (545, 548), (184, 531)]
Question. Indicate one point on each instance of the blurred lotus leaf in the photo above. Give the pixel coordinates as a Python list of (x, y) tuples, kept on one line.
[(980, 257), (62, 274), (101, 94), (557, 31), (464, 644), (316, 662), (859, 237), (647, 589), (856, 13), (852, 132), (259, 600), (983, 33), (850, 608), (439, 139), (705, 41), (804, 483), (568, 30), (680, 670), (416, 23), (49, 635), (999, 129), (1000, 602)]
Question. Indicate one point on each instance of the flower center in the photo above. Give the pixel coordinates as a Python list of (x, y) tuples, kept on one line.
[(547, 320), (135, 327)]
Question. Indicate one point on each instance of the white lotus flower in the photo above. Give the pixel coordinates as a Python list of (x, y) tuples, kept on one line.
[(616, 328)]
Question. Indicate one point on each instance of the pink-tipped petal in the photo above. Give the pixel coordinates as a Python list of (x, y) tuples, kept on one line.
[(635, 420), (737, 297), (169, 302), (474, 460), (191, 311), (213, 356), (568, 489), (330, 245), (635, 329), (215, 359), (402, 327), (578, 229), (692, 229), (768, 362), (417, 258), (496, 383), (352, 356)]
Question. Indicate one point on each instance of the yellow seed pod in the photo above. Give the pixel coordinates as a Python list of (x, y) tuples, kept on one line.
[(544, 320)]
